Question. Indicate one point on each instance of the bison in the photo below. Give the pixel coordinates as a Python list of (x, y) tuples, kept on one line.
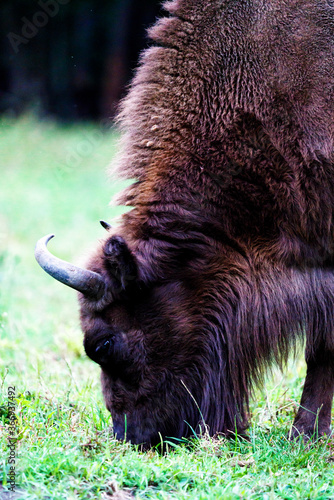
[(225, 261)]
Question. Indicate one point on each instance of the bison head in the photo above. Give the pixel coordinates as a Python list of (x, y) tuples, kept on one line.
[(147, 336)]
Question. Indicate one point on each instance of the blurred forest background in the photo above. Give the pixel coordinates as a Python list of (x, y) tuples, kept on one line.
[(70, 59)]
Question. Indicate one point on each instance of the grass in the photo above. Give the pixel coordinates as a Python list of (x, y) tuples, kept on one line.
[(53, 179)]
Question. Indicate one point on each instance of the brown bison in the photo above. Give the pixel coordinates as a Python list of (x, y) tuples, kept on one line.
[(225, 261)]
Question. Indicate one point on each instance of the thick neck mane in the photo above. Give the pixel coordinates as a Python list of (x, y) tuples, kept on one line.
[(213, 150)]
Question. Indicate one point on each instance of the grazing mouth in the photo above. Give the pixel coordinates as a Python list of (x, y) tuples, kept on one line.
[(145, 436)]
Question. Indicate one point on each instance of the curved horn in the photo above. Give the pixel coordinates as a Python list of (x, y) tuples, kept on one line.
[(86, 282)]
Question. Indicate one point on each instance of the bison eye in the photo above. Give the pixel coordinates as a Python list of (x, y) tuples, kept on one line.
[(101, 350), (104, 350), (104, 347)]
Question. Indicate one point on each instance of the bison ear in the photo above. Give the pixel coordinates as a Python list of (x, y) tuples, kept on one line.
[(119, 263)]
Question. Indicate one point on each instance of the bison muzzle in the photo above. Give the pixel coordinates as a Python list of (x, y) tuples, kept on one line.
[(226, 260)]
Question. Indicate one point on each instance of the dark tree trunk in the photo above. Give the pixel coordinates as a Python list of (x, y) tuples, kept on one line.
[(78, 64)]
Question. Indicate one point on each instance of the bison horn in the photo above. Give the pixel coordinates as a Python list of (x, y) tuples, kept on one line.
[(86, 282), (105, 225)]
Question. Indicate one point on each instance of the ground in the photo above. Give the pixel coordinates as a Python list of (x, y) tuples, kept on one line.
[(53, 179)]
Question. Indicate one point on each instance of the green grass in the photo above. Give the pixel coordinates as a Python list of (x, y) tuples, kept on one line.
[(53, 179)]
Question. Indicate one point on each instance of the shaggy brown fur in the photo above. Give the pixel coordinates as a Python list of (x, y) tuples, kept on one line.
[(226, 258)]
